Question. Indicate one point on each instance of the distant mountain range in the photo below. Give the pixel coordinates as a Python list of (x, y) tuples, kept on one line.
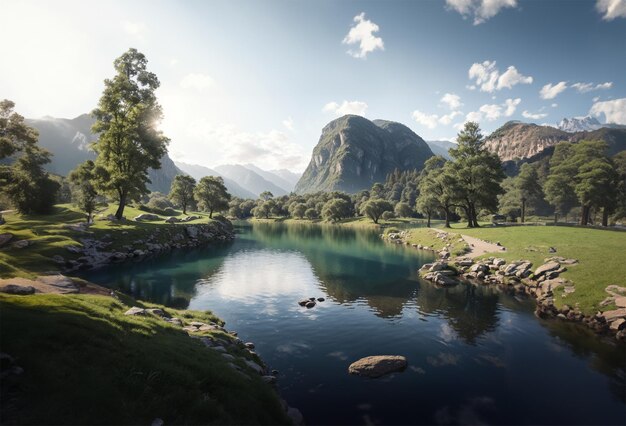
[(579, 124), (441, 147), (353, 153)]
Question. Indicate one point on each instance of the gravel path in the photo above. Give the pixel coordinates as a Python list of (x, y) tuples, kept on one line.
[(479, 247)]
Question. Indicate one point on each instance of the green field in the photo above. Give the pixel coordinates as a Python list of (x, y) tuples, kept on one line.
[(51, 235), (85, 362)]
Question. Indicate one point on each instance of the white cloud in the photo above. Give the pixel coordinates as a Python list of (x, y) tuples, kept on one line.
[(491, 111), (363, 34), (447, 119), (550, 91), (428, 120), (588, 87), (554, 105), (452, 101), (489, 79), (474, 116), (481, 10), (611, 9), (532, 116), (134, 28), (614, 111), (596, 99), (288, 123), (511, 106), (197, 81), (346, 107)]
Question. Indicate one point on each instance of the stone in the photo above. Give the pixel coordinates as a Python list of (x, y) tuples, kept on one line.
[(135, 311), (295, 415), (196, 324), (498, 262), (618, 324), (253, 365), (269, 379), (465, 262), (438, 266), (310, 304), (547, 267), (192, 231), (249, 345), (5, 238), (620, 302), (20, 290), (444, 280), (613, 315), (303, 302), (172, 219), (378, 365), (219, 348), (157, 312), (146, 216), (58, 259), (320, 299), (190, 328), (229, 357), (176, 321), (479, 267), (551, 250), (206, 327)]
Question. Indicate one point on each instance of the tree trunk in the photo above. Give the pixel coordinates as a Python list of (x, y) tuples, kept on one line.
[(447, 213), (605, 217), (468, 213), (556, 216), (584, 215), (119, 214), (184, 208), (428, 220), (211, 214), (523, 210), (474, 218)]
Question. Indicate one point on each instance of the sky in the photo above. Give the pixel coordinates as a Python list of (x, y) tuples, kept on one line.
[(256, 81)]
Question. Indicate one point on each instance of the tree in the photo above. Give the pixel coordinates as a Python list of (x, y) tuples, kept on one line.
[(527, 183), (28, 185), (15, 135), (477, 172), (211, 194), (374, 208), (619, 160), (336, 209), (129, 142), (181, 191), (438, 186), (403, 209), (427, 204), (299, 209), (597, 185), (310, 213), (84, 194), (266, 195)]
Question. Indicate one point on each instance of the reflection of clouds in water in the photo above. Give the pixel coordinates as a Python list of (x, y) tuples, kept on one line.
[(467, 414), (418, 370), (491, 359), (248, 276), (443, 359), (339, 355), (293, 348), (446, 333)]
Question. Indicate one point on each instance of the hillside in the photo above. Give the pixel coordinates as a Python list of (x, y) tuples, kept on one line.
[(441, 147), (69, 140), (353, 153), (249, 179), (198, 172)]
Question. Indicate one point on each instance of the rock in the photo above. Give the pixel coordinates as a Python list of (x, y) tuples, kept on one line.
[(229, 357), (274, 372), (192, 231), (21, 244), (157, 312), (613, 315), (620, 302), (219, 348), (479, 267), (172, 219), (303, 302), (249, 345), (135, 311), (618, 324), (269, 379), (295, 415), (320, 299), (196, 324), (551, 250), (438, 266), (58, 259), (176, 321), (5, 238), (253, 365), (547, 267), (312, 299), (206, 327), (190, 329), (147, 216), (465, 262), (443, 280), (310, 304), (498, 262), (378, 365), (20, 290)]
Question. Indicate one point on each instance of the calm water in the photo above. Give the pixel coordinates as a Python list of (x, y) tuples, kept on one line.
[(475, 355)]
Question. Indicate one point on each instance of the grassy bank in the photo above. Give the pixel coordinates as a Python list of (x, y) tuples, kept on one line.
[(85, 362), (51, 234), (357, 222), (598, 252)]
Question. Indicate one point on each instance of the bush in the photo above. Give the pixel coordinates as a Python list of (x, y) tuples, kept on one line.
[(388, 215)]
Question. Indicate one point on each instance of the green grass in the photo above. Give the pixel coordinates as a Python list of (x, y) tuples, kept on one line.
[(357, 222), (86, 363), (599, 253), (51, 236), (428, 237)]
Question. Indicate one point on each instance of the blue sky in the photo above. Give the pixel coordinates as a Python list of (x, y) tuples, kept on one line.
[(255, 81)]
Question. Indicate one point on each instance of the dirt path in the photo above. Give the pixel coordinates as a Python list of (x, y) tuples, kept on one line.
[(58, 284), (479, 247)]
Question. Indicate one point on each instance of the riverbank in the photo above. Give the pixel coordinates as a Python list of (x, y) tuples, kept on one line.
[(121, 361), (581, 284)]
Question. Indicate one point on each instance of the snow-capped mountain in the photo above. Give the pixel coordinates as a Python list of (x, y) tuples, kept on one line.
[(579, 124)]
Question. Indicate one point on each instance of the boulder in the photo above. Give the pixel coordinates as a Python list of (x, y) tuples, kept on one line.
[(438, 266), (620, 302), (135, 311), (310, 304), (498, 262), (320, 299), (5, 238), (378, 365), (147, 216), (192, 231), (465, 262), (269, 379), (303, 302), (20, 290), (615, 314), (253, 365), (547, 267), (618, 324), (479, 267), (172, 219)]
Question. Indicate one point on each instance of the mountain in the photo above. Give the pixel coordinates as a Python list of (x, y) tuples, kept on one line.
[(249, 179), (517, 143), (353, 153), (579, 124), (441, 147), (277, 180), (198, 172), (289, 176), (69, 139)]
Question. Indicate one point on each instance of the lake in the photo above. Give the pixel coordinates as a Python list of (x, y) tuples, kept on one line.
[(475, 355)]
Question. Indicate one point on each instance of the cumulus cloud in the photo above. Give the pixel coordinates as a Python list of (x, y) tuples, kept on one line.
[(492, 112), (550, 91), (197, 81), (489, 79), (611, 9), (452, 101), (480, 10), (346, 107), (447, 119), (535, 116), (428, 120), (288, 123), (362, 33), (554, 105), (588, 87), (614, 111), (510, 106)]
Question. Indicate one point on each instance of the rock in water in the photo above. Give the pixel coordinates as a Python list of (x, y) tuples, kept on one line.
[(378, 365)]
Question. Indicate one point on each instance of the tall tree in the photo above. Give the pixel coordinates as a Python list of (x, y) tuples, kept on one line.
[(181, 191), (211, 194), (84, 193), (375, 207), (129, 141), (336, 209), (438, 186), (15, 135), (527, 183)]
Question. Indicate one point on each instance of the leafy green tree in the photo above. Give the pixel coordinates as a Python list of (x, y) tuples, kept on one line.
[(299, 210), (477, 172), (402, 209), (530, 191), (182, 190), (266, 195), (597, 186), (509, 202), (28, 185), (336, 209), (129, 141), (619, 161), (310, 213), (427, 204), (388, 215), (438, 186), (211, 194), (15, 135), (264, 209), (374, 208), (84, 194)]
